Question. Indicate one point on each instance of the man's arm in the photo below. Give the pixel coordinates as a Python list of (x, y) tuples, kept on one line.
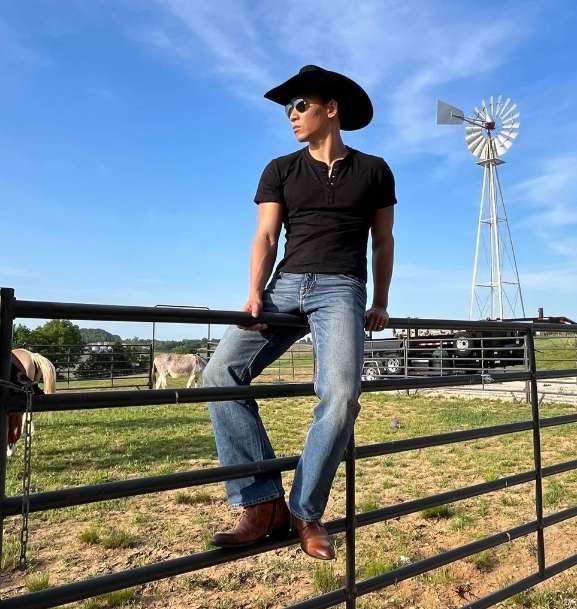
[(263, 256), (383, 256), (264, 245)]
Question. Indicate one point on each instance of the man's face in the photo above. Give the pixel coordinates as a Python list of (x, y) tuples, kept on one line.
[(314, 121)]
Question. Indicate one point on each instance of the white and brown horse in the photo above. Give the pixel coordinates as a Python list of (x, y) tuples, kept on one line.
[(26, 367), (177, 365)]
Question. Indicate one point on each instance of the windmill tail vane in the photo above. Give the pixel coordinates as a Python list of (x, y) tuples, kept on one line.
[(489, 133)]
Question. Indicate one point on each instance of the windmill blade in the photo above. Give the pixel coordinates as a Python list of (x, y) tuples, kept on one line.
[(511, 127), (479, 146), (498, 107), (506, 140), (512, 117), (508, 137), (484, 106), (510, 130), (506, 114), (505, 106), (474, 137), (501, 146), (483, 152), (512, 122)]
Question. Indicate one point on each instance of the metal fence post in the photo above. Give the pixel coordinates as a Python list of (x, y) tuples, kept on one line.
[(527, 383), (6, 322), (536, 450), (351, 524), (575, 349), (150, 364), (112, 367), (68, 365), (406, 356)]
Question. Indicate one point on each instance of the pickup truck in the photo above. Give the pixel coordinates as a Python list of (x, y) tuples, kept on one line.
[(442, 352)]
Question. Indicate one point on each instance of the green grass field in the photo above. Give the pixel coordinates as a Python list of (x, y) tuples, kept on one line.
[(88, 447), (556, 352)]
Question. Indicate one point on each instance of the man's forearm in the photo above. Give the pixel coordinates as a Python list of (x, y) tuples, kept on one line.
[(262, 260), (383, 256)]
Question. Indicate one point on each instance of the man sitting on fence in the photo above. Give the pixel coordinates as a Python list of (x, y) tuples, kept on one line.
[(328, 195)]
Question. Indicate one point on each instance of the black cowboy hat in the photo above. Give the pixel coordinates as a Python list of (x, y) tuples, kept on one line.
[(355, 107)]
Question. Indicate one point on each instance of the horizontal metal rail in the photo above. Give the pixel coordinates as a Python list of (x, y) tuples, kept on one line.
[(113, 399), (118, 398), (97, 312)]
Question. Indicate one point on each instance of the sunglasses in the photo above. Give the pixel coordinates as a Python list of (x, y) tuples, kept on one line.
[(299, 104)]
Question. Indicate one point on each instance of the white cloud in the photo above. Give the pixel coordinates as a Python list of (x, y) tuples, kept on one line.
[(565, 247), (553, 192), (225, 30), (561, 280), (552, 201)]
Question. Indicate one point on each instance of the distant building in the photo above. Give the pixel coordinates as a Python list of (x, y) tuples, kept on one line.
[(101, 347)]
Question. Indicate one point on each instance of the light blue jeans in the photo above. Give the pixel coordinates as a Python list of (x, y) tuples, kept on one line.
[(335, 307)]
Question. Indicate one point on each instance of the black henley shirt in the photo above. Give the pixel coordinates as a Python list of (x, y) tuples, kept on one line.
[(327, 218)]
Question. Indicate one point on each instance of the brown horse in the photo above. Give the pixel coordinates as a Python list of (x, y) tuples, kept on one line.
[(27, 367)]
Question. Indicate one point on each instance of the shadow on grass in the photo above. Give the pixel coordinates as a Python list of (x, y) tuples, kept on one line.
[(83, 447)]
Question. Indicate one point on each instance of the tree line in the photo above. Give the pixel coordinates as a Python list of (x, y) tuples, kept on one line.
[(63, 342)]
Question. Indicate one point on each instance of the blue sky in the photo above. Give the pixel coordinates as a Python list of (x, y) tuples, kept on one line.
[(133, 135)]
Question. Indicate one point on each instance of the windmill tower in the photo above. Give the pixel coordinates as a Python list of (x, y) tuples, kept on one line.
[(490, 132)]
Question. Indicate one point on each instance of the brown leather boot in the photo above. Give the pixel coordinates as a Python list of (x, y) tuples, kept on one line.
[(255, 523), (315, 540)]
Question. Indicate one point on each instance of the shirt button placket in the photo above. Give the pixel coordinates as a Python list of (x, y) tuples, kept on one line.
[(332, 185)]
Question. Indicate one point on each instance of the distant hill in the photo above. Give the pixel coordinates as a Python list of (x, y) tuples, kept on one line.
[(96, 335)]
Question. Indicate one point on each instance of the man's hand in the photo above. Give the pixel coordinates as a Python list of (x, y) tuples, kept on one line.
[(254, 307), (376, 318)]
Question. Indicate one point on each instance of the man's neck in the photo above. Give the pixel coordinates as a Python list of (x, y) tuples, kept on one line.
[(328, 149)]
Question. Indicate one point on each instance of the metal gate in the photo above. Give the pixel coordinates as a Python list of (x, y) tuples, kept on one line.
[(10, 308)]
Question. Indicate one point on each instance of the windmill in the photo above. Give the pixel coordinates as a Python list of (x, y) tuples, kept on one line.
[(490, 132)]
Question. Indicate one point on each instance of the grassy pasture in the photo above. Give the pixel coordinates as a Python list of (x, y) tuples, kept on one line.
[(77, 448), (556, 352)]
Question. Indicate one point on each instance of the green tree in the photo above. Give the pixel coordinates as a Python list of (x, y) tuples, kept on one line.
[(58, 332), (22, 336), (59, 340)]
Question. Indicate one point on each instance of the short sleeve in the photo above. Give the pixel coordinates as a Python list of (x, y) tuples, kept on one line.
[(270, 185), (384, 191)]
